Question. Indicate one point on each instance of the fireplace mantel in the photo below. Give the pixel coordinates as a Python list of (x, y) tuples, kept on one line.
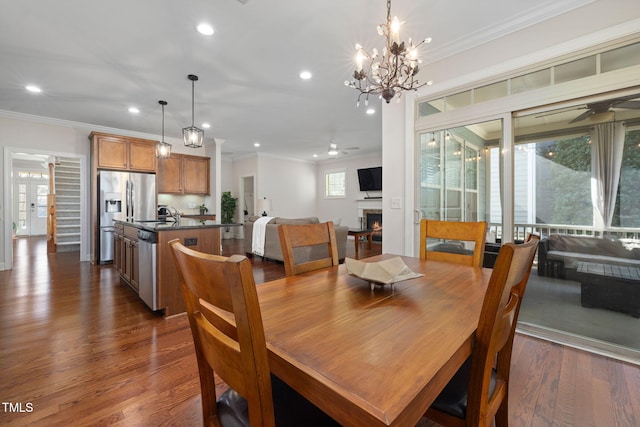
[(368, 204)]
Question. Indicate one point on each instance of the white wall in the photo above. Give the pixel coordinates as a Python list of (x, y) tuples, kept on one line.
[(290, 184), (394, 156), (346, 209)]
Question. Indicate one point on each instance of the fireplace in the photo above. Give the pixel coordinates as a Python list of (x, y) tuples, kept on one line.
[(372, 220)]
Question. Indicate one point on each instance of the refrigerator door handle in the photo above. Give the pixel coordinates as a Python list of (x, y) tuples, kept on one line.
[(133, 197), (128, 199)]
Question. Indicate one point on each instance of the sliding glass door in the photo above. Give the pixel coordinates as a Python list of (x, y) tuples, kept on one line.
[(455, 173)]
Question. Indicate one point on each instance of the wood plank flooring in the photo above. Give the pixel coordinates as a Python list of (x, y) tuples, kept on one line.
[(78, 348)]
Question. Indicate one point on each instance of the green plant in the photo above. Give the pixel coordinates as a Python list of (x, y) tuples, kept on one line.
[(15, 227), (203, 208), (228, 207)]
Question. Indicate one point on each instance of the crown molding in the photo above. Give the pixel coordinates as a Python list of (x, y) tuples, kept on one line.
[(590, 41), (93, 128), (527, 17)]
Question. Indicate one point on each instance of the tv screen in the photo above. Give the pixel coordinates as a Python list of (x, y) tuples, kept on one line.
[(370, 179)]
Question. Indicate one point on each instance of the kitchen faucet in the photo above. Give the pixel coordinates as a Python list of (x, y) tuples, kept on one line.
[(175, 214)]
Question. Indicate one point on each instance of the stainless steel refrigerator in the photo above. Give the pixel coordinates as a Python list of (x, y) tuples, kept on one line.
[(125, 196)]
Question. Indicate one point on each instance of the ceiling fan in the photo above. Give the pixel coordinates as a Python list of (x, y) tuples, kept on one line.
[(603, 110), (334, 149)]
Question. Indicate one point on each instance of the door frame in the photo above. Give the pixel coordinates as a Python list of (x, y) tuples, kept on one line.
[(7, 201)]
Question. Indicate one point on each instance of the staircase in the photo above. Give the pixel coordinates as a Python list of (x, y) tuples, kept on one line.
[(67, 190)]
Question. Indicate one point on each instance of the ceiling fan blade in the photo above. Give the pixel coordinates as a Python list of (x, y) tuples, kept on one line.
[(582, 116), (633, 105)]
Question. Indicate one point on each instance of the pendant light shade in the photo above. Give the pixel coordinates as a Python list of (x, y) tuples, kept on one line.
[(193, 136), (163, 149)]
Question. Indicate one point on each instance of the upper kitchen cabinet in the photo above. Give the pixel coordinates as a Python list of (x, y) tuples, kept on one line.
[(184, 174), (124, 153)]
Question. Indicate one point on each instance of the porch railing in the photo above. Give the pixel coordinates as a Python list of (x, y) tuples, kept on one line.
[(544, 230)]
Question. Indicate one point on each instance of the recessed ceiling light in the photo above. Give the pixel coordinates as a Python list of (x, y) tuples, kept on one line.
[(315, 155), (371, 111), (206, 125), (33, 88), (133, 110), (305, 75), (256, 144), (205, 29)]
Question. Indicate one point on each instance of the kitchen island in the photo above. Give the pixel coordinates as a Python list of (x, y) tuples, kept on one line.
[(143, 257)]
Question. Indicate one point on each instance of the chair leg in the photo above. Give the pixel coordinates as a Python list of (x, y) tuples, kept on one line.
[(502, 415)]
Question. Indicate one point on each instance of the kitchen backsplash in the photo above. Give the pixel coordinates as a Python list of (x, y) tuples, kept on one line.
[(187, 204)]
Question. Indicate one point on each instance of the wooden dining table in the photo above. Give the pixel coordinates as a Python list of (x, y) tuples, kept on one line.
[(372, 357)]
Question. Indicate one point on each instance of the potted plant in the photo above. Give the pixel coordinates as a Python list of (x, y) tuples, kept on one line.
[(14, 230), (228, 209), (203, 209)]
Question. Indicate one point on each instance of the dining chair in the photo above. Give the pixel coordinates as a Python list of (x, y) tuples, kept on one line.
[(235, 350), (452, 238), (478, 393), (307, 247)]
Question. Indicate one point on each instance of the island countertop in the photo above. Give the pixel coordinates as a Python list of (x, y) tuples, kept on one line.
[(183, 224)]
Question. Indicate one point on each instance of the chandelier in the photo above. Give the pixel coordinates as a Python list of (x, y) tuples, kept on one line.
[(193, 136), (387, 75)]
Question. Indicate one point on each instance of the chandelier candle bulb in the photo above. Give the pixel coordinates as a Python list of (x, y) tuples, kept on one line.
[(395, 30), (391, 73)]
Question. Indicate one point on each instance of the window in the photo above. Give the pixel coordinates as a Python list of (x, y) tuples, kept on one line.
[(335, 183)]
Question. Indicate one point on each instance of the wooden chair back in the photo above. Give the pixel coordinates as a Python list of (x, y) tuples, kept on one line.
[(491, 357), (293, 237), (453, 231), (237, 352)]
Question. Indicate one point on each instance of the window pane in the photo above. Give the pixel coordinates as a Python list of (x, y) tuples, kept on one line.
[(452, 168), (628, 202), (493, 91), (530, 81), (335, 184), (620, 58), (458, 100), (575, 69), (430, 107)]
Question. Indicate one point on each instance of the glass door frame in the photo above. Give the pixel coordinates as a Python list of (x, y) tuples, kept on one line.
[(453, 119)]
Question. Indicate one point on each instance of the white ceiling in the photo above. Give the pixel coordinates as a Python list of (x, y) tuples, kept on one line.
[(93, 60)]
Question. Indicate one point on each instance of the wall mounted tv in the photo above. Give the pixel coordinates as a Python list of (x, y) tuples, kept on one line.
[(370, 179)]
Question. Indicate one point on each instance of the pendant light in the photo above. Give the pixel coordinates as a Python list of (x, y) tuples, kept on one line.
[(193, 136), (163, 149)]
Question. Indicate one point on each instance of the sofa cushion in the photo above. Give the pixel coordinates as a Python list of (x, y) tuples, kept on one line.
[(308, 220), (571, 259), (591, 245)]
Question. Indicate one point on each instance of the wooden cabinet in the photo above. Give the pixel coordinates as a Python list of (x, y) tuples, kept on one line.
[(118, 243), (126, 254), (169, 291), (124, 153), (170, 175), (196, 174), (184, 174)]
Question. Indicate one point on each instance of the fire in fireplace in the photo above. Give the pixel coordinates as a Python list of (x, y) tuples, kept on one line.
[(372, 220)]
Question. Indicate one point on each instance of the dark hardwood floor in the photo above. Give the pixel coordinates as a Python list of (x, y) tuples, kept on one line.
[(79, 348)]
